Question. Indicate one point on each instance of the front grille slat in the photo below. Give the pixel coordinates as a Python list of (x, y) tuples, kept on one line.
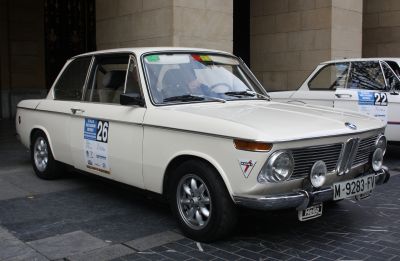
[(305, 158), (365, 149)]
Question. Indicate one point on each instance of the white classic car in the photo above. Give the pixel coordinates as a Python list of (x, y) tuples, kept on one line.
[(370, 86), (196, 126)]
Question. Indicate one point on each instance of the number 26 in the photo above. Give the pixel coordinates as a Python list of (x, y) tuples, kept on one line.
[(102, 131)]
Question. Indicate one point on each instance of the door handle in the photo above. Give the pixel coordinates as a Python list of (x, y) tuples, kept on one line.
[(343, 95), (75, 110)]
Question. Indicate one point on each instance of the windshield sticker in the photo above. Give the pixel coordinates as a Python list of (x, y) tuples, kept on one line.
[(247, 166), (96, 144), (201, 58), (373, 104), (153, 58)]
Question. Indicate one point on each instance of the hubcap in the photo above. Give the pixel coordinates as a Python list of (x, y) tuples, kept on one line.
[(40, 154), (193, 200)]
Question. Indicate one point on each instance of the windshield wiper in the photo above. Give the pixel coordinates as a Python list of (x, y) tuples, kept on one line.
[(191, 97), (247, 93), (186, 97)]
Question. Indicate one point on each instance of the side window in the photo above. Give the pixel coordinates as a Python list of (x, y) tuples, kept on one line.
[(69, 86), (366, 75), (107, 80), (330, 77), (391, 78)]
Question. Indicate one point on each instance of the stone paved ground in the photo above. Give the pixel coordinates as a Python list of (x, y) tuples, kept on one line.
[(83, 218)]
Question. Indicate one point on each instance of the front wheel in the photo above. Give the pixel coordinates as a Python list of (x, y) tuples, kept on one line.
[(42, 158), (201, 202)]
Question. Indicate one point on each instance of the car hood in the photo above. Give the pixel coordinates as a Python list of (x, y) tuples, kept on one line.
[(260, 120)]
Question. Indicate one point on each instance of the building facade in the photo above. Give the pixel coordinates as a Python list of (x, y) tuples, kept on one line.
[(281, 40)]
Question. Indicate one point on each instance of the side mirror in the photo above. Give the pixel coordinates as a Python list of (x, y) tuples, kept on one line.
[(131, 99)]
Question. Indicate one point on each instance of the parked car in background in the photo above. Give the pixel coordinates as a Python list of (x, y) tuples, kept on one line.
[(370, 86), (195, 126)]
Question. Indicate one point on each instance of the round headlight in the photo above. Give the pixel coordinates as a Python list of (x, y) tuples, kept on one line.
[(279, 167), (377, 159), (381, 143), (318, 174)]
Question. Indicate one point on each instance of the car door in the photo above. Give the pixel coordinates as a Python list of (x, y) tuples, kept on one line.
[(393, 88), (64, 95), (365, 90), (106, 137), (319, 88)]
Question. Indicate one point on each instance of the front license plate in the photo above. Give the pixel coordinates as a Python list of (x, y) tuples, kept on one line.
[(310, 212), (354, 187)]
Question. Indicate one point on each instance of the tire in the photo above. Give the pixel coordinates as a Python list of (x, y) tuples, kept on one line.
[(192, 214), (43, 162)]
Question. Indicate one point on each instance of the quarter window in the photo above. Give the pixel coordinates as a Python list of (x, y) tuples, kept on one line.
[(69, 86), (392, 81), (330, 77), (366, 75)]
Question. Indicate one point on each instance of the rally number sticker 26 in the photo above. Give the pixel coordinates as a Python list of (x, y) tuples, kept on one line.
[(102, 131)]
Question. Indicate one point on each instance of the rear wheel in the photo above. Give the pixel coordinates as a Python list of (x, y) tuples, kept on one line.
[(42, 158), (201, 202)]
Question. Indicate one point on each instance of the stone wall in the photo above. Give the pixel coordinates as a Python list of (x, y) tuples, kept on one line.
[(135, 23), (290, 37), (22, 64), (381, 28), (203, 23), (129, 23)]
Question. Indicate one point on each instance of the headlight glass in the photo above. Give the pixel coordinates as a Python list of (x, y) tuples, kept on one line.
[(279, 167), (318, 174), (377, 159), (381, 143)]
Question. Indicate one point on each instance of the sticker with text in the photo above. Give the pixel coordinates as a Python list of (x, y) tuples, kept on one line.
[(95, 144)]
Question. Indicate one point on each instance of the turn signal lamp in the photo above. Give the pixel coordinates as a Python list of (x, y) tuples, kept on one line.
[(252, 145)]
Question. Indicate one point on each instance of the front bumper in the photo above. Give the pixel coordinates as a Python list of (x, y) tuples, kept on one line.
[(301, 199)]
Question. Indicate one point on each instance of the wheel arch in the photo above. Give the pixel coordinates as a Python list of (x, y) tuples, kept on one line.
[(41, 129), (183, 157)]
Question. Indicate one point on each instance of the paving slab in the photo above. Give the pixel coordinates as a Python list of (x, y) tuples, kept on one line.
[(154, 240), (11, 248), (67, 244), (103, 254), (9, 191), (31, 255)]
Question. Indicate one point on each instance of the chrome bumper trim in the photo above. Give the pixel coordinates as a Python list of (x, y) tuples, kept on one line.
[(301, 199)]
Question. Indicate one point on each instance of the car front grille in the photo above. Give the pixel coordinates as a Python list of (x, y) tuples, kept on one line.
[(365, 148), (304, 158)]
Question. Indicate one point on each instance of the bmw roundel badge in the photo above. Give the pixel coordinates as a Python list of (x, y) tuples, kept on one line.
[(350, 125)]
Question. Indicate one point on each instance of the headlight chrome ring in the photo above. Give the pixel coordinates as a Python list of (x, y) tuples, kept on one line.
[(377, 159), (279, 167), (381, 142)]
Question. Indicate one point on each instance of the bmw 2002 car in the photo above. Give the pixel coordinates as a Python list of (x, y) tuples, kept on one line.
[(195, 126)]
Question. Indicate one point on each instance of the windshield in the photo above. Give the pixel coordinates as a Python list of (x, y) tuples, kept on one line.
[(178, 78)]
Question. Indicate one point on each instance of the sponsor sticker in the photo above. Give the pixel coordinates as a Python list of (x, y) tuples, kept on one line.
[(96, 144), (247, 166), (373, 104)]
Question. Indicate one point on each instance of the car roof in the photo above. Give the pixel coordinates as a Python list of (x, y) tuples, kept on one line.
[(363, 60), (141, 50)]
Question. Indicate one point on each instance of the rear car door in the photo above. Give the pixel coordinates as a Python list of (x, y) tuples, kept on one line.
[(66, 94), (365, 90), (320, 88), (106, 137)]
